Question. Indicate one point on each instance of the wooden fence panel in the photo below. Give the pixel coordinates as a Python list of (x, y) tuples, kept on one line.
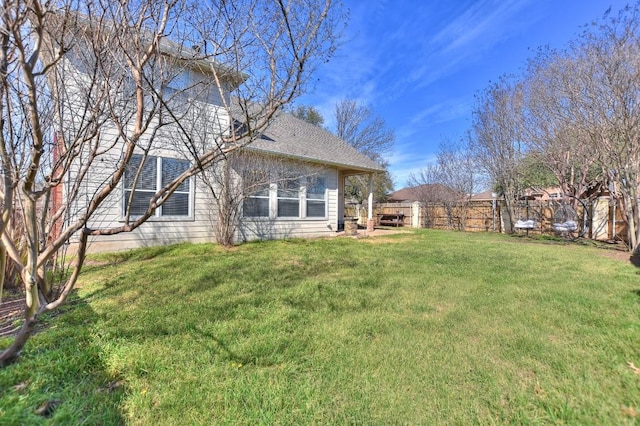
[(485, 216)]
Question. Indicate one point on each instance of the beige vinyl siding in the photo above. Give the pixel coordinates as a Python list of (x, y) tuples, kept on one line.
[(157, 230), (277, 229), (200, 226), (197, 227), (154, 234)]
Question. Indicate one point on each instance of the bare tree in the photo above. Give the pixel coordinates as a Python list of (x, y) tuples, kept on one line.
[(234, 183), (448, 182), (610, 88), (581, 115), (558, 137), (496, 139), (361, 128), (429, 192), (456, 171), (92, 92)]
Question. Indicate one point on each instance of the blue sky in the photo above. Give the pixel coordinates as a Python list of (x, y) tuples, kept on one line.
[(419, 63)]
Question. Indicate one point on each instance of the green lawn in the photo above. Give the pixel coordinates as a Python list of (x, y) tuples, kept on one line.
[(420, 328)]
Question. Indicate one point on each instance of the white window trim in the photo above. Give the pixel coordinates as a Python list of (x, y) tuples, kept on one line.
[(262, 197), (325, 199), (302, 206), (298, 198)]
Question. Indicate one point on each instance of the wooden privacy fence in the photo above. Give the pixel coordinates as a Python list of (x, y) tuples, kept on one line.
[(601, 220), (476, 216)]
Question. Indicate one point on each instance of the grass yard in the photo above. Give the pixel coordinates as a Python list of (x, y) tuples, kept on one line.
[(429, 327)]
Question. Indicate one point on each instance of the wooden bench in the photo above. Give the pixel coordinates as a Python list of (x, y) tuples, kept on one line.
[(391, 219)]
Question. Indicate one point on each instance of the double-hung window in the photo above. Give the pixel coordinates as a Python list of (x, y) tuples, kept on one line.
[(316, 197), (289, 198), (156, 173), (257, 204)]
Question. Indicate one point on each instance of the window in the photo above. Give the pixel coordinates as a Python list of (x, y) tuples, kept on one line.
[(190, 84), (179, 83), (286, 199), (257, 204), (289, 198), (156, 173), (178, 203), (316, 199)]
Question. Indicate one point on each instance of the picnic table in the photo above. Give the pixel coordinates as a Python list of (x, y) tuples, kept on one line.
[(391, 219)]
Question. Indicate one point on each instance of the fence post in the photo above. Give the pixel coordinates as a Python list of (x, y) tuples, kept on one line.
[(415, 214), (600, 219), (370, 221)]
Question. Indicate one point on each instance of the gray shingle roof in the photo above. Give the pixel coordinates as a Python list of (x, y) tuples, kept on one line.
[(292, 137)]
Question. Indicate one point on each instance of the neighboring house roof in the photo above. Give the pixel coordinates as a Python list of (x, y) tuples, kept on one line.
[(291, 137), (426, 192), (537, 193), (485, 196), (531, 193), (540, 193)]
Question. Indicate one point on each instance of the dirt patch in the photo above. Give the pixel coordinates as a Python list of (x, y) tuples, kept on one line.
[(380, 236), (383, 240), (609, 249), (618, 252), (11, 312), (376, 236), (623, 256)]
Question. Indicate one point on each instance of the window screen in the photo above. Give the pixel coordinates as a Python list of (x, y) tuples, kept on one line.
[(289, 198), (257, 204), (155, 173), (144, 178), (316, 197), (178, 202)]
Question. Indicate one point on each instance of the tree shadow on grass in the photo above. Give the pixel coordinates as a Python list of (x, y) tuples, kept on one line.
[(199, 304), (207, 295), (60, 377)]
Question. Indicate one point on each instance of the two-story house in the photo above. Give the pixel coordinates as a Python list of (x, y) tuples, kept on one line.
[(188, 115)]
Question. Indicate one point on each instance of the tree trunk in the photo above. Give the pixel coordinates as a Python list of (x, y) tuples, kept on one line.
[(511, 215), (633, 223), (12, 353), (3, 268)]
